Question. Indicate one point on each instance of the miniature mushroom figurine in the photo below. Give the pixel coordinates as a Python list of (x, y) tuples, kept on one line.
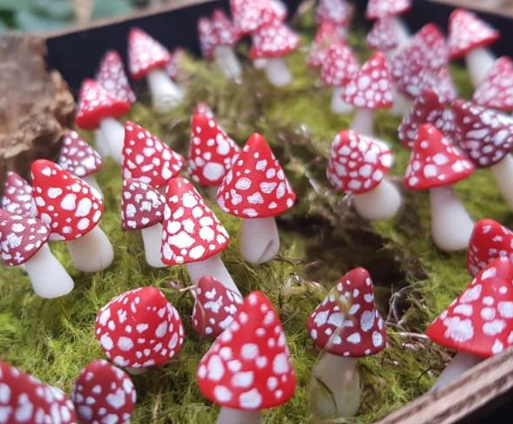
[(391, 9), (382, 36), (369, 90), (249, 15), (436, 165), (496, 89), (26, 400), (211, 152), (469, 36), (148, 58), (358, 165), (346, 326), (336, 12), (325, 36), (72, 209), (256, 190), (489, 241), (214, 307), (272, 41), (142, 208), (139, 329), (479, 323), (102, 393), (99, 108), (192, 234), (248, 368), (204, 109), (17, 197), (23, 242)]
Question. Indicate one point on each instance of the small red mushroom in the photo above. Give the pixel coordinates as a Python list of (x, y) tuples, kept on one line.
[(111, 76), (249, 15), (391, 9), (336, 12), (382, 36), (324, 37), (203, 109), (17, 197), (496, 89)]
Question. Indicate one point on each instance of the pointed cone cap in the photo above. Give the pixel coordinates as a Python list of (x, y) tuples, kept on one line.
[(337, 12), (382, 36), (17, 197), (141, 205), (339, 65), (111, 76), (496, 90), (78, 157), (274, 39), (379, 9), (145, 54), (326, 35)]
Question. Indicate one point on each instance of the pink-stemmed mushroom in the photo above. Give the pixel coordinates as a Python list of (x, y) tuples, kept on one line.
[(382, 36), (391, 9), (346, 326), (142, 208), (72, 209), (336, 12), (147, 58), (248, 367), (193, 235), (435, 165), (478, 324), (369, 90), (214, 307), (325, 36), (100, 109), (256, 190), (469, 36), (139, 329), (103, 393), (358, 165), (211, 153), (496, 89), (17, 197), (273, 41)]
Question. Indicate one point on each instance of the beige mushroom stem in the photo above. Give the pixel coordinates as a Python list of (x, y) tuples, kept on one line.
[(213, 266), (114, 134), (212, 192), (259, 63), (259, 241), (152, 239), (92, 252), (277, 72), (382, 202), (91, 180), (101, 144), (401, 31), (401, 104), (363, 122), (165, 94), (338, 105), (479, 62), (461, 363), (503, 173), (227, 61), (335, 387), (237, 416)]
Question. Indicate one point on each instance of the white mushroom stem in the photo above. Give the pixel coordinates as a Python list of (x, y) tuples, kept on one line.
[(479, 62), (451, 226), (92, 252), (101, 144), (363, 122), (401, 105), (401, 31), (227, 61), (212, 192), (237, 416), (114, 134), (165, 94), (91, 180), (152, 237), (213, 266), (259, 240), (461, 363), (338, 105), (277, 72), (49, 278), (503, 173), (382, 202), (259, 63), (335, 387)]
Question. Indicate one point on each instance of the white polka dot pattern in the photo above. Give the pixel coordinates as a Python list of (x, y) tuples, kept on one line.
[(17, 197), (249, 15), (141, 205), (496, 90), (325, 36), (339, 65), (273, 39), (203, 109), (337, 12), (218, 31), (111, 76), (382, 36), (77, 156), (379, 9), (144, 54)]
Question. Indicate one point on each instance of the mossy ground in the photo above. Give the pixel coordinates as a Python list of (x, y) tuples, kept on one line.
[(322, 239)]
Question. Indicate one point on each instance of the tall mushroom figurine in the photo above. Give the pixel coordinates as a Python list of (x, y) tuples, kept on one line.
[(192, 234), (391, 9), (72, 209), (142, 208), (99, 108), (436, 165), (358, 165), (346, 326), (272, 41), (23, 242), (336, 12), (17, 197), (496, 89), (139, 329), (148, 58), (325, 36), (211, 153), (369, 90), (478, 324), (256, 190), (469, 36), (103, 393), (248, 368)]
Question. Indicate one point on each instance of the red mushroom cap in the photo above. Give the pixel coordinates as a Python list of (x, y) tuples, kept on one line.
[(277, 11), (192, 233), (467, 32), (484, 135), (337, 12), (141, 205), (78, 157), (371, 87), (17, 198), (26, 400), (139, 329), (203, 109), (357, 163), (432, 47), (21, 237), (379, 9), (145, 54), (489, 241), (69, 205), (324, 37), (435, 162), (479, 321), (496, 90), (274, 39), (249, 15), (356, 331), (103, 393), (111, 76), (256, 186), (382, 36), (339, 65), (211, 151), (248, 366), (147, 158), (95, 104), (224, 31), (214, 307)]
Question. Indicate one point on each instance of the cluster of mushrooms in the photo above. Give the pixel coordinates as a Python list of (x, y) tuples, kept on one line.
[(248, 367)]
